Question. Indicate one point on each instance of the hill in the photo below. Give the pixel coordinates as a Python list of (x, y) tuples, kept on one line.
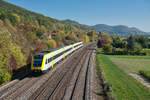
[(119, 29), (24, 33), (77, 24), (148, 33)]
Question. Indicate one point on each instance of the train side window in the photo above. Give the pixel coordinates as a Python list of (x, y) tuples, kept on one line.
[(46, 61), (49, 60), (57, 55)]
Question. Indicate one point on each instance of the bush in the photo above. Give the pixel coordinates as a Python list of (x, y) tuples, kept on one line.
[(4, 77), (52, 43), (142, 53), (107, 48)]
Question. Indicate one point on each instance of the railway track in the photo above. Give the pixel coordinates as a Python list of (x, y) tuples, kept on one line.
[(58, 82), (68, 81), (78, 85), (61, 88)]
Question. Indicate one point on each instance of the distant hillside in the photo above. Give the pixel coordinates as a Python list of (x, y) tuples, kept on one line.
[(148, 33), (77, 24), (119, 29)]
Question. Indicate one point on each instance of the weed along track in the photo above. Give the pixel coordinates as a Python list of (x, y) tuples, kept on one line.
[(68, 80)]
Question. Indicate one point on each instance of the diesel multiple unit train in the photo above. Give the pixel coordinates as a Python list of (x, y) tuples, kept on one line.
[(46, 60)]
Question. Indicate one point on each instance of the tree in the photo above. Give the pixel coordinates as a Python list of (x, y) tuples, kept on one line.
[(103, 40), (138, 48), (13, 63), (86, 39), (38, 47), (142, 40), (29, 59), (52, 43), (107, 48), (117, 42), (17, 54), (131, 42), (3, 15), (72, 36), (106, 37), (17, 17), (4, 77), (14, 18), (92, 34)]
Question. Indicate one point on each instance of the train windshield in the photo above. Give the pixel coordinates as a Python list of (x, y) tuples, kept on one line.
[(38, 60)]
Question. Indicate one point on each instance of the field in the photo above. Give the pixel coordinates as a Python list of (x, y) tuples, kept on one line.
[(123, 85), (132, 63)]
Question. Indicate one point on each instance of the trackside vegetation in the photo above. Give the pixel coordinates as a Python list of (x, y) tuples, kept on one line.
[(124, 86), (146, 74), (4, 77)]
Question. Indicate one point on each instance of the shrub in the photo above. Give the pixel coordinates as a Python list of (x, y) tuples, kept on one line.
[(107, 48), (52, 43), (4, 77)]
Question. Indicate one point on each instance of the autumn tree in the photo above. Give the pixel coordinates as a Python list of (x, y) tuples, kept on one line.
[(13, 63), (103, 40), (86, 39), (52, 44), (92, 34)]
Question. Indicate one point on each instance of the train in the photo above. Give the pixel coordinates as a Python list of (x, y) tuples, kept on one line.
[(46, 60)]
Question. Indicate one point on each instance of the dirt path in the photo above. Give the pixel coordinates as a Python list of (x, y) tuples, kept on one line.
[(141, 79)]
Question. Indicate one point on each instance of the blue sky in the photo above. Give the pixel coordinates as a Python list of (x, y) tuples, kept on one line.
[(133, 13)]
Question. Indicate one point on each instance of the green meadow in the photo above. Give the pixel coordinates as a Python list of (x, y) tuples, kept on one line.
[(131, 63), (124, 86)]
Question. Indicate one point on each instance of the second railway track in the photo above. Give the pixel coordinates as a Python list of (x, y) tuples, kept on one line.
[(68, 82)]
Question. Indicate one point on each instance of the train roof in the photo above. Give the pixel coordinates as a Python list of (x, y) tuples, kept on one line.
[(49, 51)]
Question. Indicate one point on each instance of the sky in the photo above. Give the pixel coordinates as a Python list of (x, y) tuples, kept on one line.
[(132, 13)]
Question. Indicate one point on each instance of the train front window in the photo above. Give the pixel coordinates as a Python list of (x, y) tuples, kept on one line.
[(37, 61)]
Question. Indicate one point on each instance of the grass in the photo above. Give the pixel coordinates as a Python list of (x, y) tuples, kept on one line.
[(123, 85), (129, 56), (131, 63)]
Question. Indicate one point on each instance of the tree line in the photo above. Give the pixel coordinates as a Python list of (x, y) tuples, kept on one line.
[(123, 45)]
